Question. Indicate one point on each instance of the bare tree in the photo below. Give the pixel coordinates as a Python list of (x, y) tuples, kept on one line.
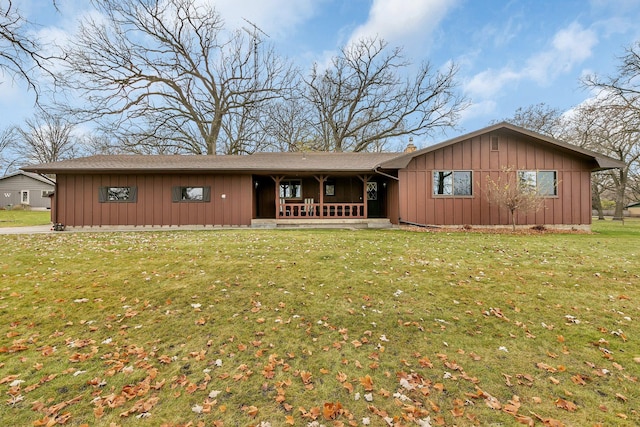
[(364, 97), (288, 126), (624, 85), (617, 107), (20, 52), (614, 131), (634, 185), (45, 138), (539, 118), (167, 72), (6, 138), (514, 193)]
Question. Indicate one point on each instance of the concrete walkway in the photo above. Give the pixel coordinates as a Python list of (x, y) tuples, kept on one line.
[(42, 229), (34, 229)]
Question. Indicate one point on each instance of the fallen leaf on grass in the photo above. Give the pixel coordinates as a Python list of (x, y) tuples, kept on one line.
[(566, 405), (523, 419), (621, 397), (367, 383), (251, 411), (331, 411)]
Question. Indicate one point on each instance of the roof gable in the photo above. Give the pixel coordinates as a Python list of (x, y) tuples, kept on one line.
[(30, 175), (602, 162)]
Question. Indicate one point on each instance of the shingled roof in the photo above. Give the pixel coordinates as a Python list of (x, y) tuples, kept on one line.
[(299, 162), (255, 163)]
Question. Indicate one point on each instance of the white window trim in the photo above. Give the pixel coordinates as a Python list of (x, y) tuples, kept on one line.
[(537, 171), (453, 171), (22, 193)]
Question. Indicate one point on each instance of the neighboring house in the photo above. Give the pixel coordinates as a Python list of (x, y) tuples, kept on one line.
[(634, 209), (442, 185), (25, 188)]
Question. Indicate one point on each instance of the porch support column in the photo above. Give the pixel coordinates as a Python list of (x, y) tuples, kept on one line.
[(277, 180), (365, 180), (321, 180)]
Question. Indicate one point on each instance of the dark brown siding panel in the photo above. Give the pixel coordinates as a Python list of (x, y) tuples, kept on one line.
[(418, 205), (393, 212), (78, 200)]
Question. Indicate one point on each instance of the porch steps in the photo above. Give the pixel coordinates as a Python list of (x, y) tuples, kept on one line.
[(322, 223)]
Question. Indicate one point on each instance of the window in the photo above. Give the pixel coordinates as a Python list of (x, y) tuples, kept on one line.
[(452, 183), (191, 194), (24, 197), (291, 189), (118, 194), (329, 189), (494, 143), (46, 193), (544, 182), (372, 190)]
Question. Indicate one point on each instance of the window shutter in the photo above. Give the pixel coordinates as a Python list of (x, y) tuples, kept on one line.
[(103, 194), (176, 194), (206, 194), (133, 194)]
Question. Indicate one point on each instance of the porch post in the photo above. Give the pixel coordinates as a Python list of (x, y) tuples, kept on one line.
[(277, 180), (365, 180), (321, 180)]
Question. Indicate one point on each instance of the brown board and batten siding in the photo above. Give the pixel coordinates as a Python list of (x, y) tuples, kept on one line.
[(78, 201), (419, 205), (248, 183)]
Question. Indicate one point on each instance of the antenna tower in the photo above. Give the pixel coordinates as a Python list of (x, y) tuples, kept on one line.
[(255, 34)]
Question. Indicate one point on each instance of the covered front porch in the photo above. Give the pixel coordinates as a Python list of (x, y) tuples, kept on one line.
[(320, 197)]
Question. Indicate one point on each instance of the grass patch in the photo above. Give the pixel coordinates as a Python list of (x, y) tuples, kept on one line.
[(254, 327), (24, 218)]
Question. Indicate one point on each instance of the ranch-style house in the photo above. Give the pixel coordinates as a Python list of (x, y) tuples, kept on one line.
[(440, 185)]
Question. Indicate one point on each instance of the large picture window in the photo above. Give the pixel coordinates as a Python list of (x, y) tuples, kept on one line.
[(452, 183), (291, 189), (191, 194), (543, 182), (118, 194)]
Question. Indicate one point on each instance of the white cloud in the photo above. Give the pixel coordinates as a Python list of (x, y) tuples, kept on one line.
[(489, 82), (480, 109), (399, 21), (275, 17), (569, 47)]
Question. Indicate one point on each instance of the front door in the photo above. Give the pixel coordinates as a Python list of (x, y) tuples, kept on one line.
[(265, 197), (375, 199)]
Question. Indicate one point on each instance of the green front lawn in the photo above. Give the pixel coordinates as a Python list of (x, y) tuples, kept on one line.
[(23, 218), (254, 327)]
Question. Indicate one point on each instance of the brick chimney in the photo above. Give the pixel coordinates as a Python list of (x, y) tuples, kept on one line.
[(410, 147)]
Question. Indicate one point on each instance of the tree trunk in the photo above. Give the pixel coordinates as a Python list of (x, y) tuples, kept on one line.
[(618, 214), (513, 220), (596, 203), (212, 138)]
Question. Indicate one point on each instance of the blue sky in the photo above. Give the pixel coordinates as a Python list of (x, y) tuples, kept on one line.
[(510, 53)]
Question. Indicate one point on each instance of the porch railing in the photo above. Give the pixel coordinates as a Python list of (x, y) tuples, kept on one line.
[(316, 210)]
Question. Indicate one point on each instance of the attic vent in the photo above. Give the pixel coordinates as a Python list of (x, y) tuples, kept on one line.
[(494, 143)]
